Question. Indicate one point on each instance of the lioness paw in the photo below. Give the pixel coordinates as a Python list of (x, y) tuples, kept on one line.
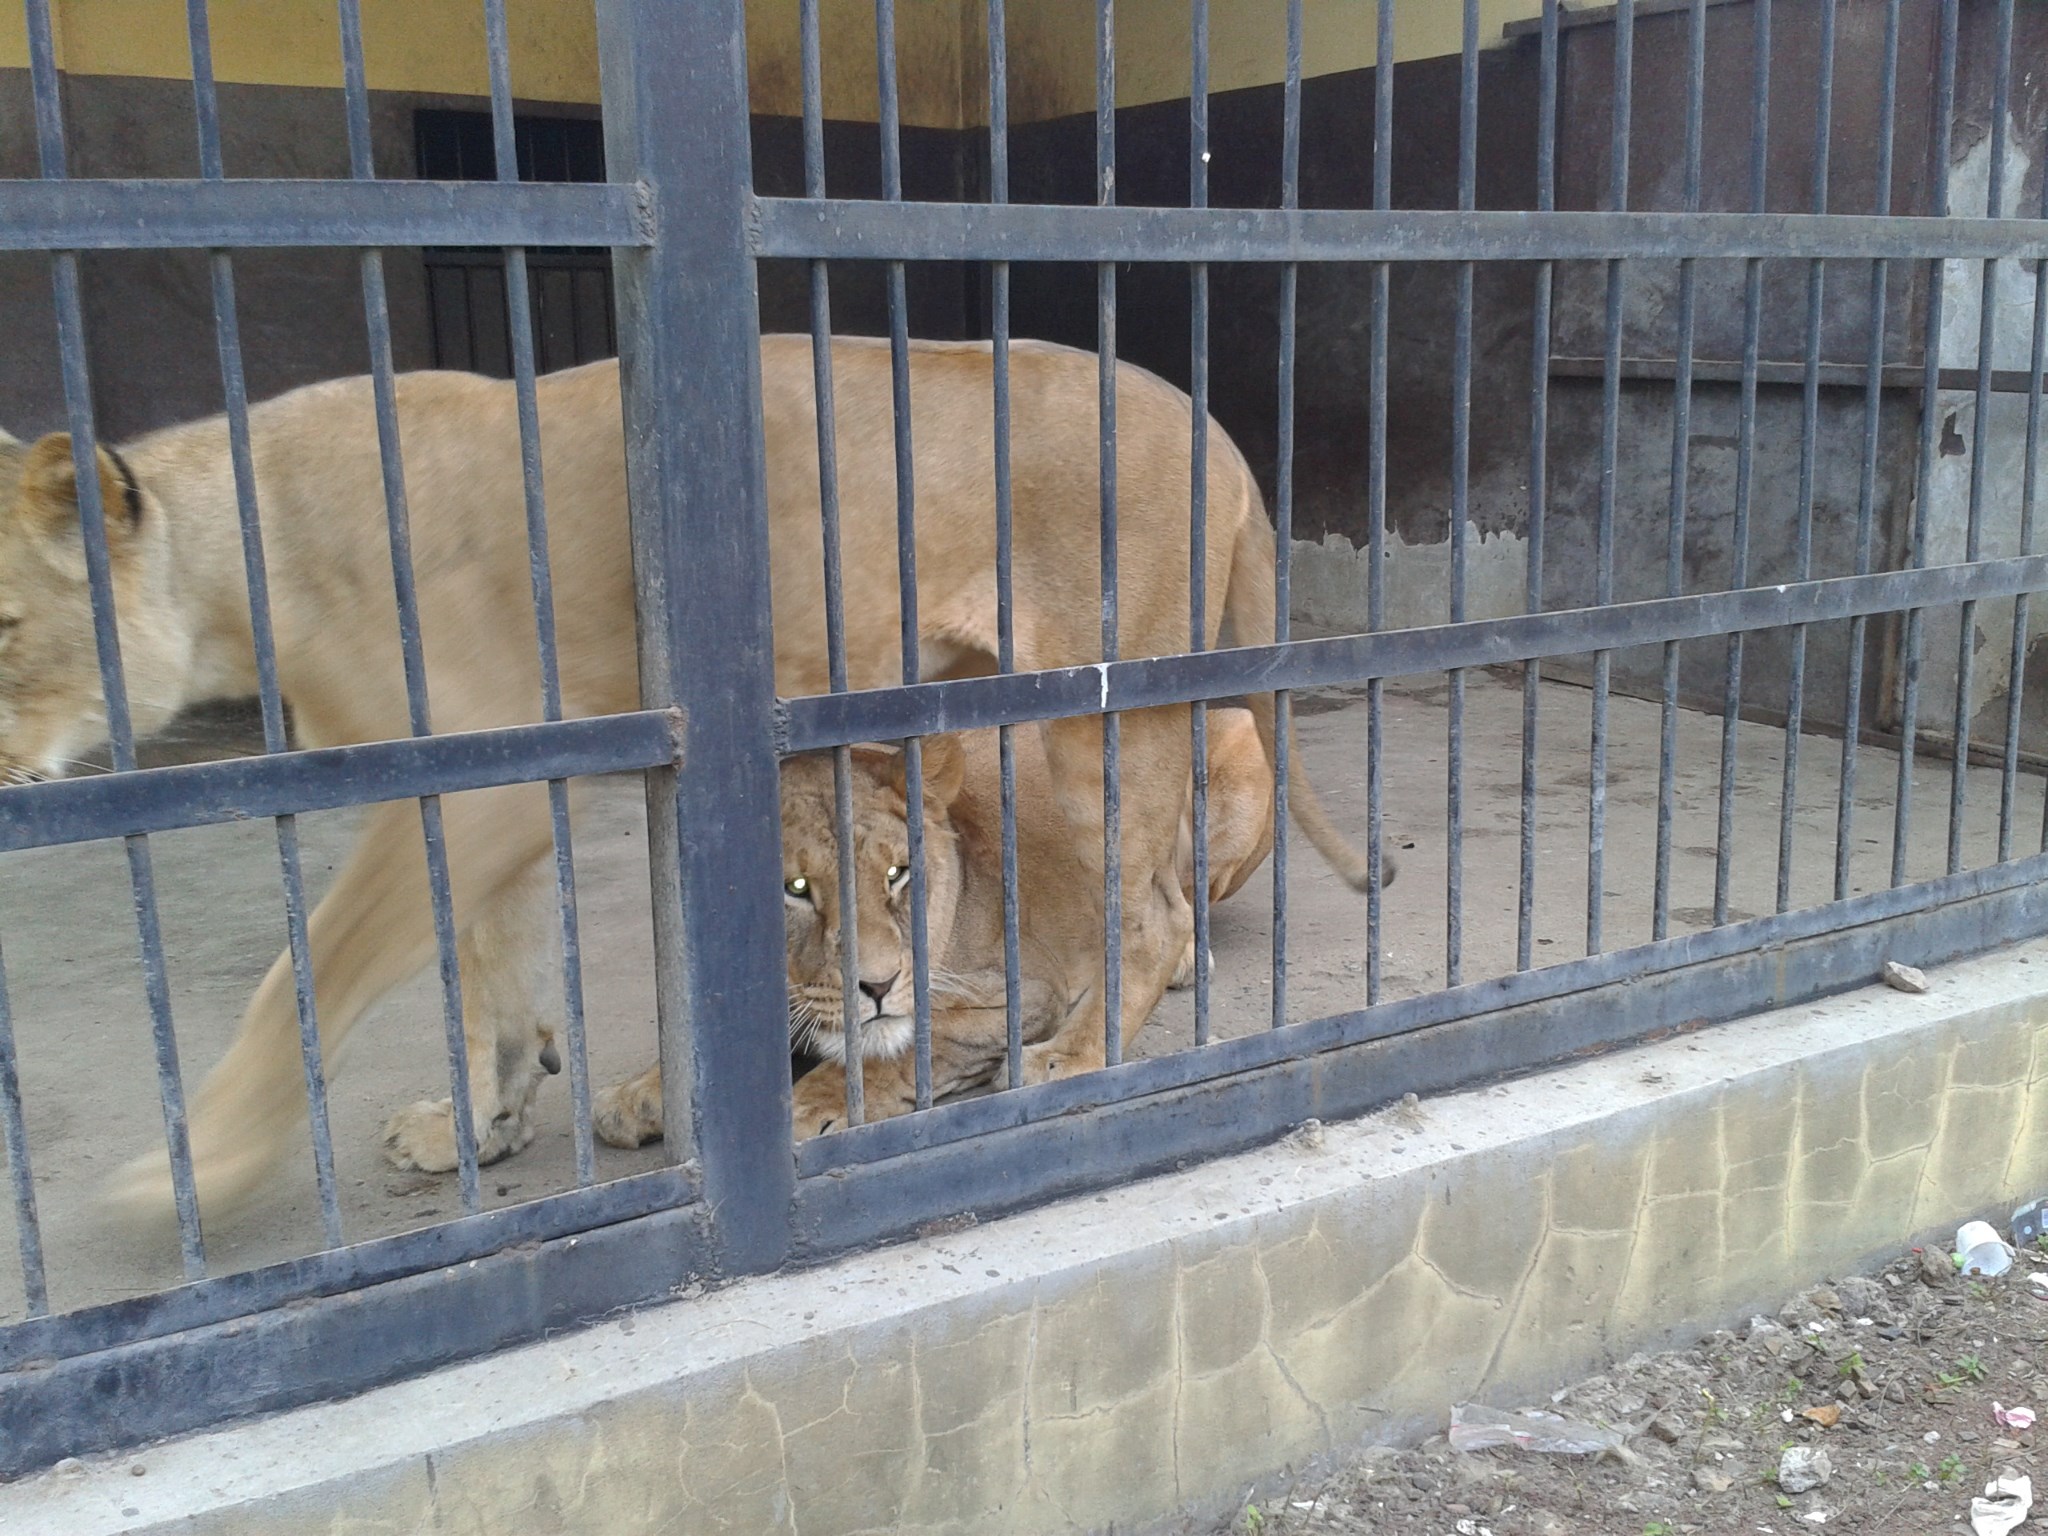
[(628, 1114), (1043, 1063), (816, 1107), (422, 1137)]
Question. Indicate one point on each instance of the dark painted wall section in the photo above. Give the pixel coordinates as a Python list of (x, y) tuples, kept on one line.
[(1054, 162), (149, 314)]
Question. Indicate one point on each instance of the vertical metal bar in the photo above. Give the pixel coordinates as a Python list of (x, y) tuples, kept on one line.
[(675, 99), (1681, 459), (1980, 449), (1006, 620), (1610, 434), (828, 503), (2030, 484), (1930, 445), (1866, 494), (377, 312), (107, 643), (28, 1229), (1745, 458), (1283, 510), (519, 314), (228, 343), (851, 1029), (1461, 504), (1105, 303), (1198, 494), (1539, 477), (1809, 444), (1376, 496), (906, 551)]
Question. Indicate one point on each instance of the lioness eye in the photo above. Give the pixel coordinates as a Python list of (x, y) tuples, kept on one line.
[(798, 887), (897, 875)]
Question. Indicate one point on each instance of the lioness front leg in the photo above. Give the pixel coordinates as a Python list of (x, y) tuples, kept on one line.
[(510, 957)]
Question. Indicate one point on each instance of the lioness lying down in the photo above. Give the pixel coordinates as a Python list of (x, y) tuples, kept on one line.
[(1059, 917), (185, 638)]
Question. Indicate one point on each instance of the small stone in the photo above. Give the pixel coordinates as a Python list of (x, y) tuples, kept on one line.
[(1707, 1480), (1667, 1428), (1967, 1436), (1936, 1268), (1802, 1468), (1904, 978), (1306, 1137), (138, 1470), (1824, 1298), (70, 1466), (1864, 1298)]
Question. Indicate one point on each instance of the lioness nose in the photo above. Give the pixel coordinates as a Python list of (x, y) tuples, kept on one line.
[(879, 989)]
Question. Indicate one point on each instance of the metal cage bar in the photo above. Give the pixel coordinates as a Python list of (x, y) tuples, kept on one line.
[(1681, 465), (906, 556), (1866, 489), (228, 343), (1461, 503), (1198, 498), (1105, 326), (1610, 447), (1980, 450), (398, 528), (1283, 505), (1006, 601), (1809, 446), (1930, 415), (1376, 501), (519, 318), (1745, 460), (92, 517), (675, 97), (1539, 485)]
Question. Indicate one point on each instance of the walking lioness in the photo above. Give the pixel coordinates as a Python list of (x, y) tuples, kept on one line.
[(185, 638)]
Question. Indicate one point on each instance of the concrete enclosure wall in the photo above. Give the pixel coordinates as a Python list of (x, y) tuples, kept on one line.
[(1101, 1364)]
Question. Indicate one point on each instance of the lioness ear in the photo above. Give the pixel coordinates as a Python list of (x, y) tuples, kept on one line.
[(46, 495), (945, 769)]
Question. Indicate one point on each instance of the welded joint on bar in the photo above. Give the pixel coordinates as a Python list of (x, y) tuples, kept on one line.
[(678, 721)]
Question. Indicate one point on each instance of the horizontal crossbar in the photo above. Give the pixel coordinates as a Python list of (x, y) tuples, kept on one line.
[(1134, 1080), (327, 778), (91, 214), (817, 721), (859, 230)]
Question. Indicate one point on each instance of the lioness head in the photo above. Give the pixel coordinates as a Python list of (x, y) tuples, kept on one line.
[(881, 855), (51, 707)]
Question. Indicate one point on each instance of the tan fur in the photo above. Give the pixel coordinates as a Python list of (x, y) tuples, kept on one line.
[(1240, 817), (185, 637)]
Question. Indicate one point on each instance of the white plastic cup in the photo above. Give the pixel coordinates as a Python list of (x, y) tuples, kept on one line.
[(1984, 1251)]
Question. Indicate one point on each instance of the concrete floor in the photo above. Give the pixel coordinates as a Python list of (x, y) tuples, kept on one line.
[(82, 1026)]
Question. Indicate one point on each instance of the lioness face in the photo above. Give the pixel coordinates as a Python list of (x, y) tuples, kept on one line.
[(882, 915), (51, 707)]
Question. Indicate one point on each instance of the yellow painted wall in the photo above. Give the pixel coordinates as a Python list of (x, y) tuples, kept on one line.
[(438, 46), (1052, 44)]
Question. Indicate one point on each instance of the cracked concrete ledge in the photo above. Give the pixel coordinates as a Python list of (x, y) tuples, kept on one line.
[(1105, 1362)]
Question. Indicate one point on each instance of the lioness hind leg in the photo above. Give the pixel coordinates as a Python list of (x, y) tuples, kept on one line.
[(510, 956)]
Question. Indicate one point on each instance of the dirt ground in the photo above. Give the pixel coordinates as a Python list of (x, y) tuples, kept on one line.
[(1896, 1378)]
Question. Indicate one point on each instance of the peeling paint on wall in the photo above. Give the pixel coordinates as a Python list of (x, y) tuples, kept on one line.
[(1330, 580)]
